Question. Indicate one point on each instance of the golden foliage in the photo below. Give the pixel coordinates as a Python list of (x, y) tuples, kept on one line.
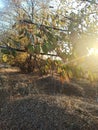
[(21, 57)]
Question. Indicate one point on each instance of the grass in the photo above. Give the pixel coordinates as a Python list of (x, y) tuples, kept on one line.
[(30, 102)]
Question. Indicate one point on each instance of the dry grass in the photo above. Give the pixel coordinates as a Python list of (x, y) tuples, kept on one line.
[(30, 102), (9, 70)]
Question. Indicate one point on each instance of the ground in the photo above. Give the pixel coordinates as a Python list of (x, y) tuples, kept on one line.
[(31, 102)]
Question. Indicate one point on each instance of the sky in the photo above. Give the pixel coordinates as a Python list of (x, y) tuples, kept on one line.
[(1, 4)]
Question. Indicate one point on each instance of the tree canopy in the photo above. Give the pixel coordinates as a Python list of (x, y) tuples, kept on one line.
[(59, 29)]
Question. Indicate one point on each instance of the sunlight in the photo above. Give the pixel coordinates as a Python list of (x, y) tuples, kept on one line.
[(92, 51)]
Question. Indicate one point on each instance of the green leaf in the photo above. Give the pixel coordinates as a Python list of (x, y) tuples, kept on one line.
[(30, 49), (5, 51), (37, 49), (17, 43), (13, 53), (38, 35), (45, 48)]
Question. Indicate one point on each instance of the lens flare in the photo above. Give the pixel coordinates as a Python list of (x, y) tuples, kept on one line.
[(92, 51)]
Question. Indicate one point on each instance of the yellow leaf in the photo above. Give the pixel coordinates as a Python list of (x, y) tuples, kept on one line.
[(4, 58)]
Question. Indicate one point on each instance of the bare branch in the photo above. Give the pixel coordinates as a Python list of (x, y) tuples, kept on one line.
[(42, 25)]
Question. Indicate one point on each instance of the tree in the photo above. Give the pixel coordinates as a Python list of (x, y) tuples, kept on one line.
[(62, 30)]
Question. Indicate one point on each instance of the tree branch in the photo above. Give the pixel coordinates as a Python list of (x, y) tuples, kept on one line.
[(12, 49), (21, 50), (37, 24)]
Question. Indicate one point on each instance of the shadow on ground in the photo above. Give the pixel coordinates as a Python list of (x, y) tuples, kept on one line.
[(42, 112), (30, 102)]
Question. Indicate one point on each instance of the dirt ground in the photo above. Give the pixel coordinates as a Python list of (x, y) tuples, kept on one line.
[(31, 102)]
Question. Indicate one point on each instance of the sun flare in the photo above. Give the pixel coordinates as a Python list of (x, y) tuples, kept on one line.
[(93, 51)]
